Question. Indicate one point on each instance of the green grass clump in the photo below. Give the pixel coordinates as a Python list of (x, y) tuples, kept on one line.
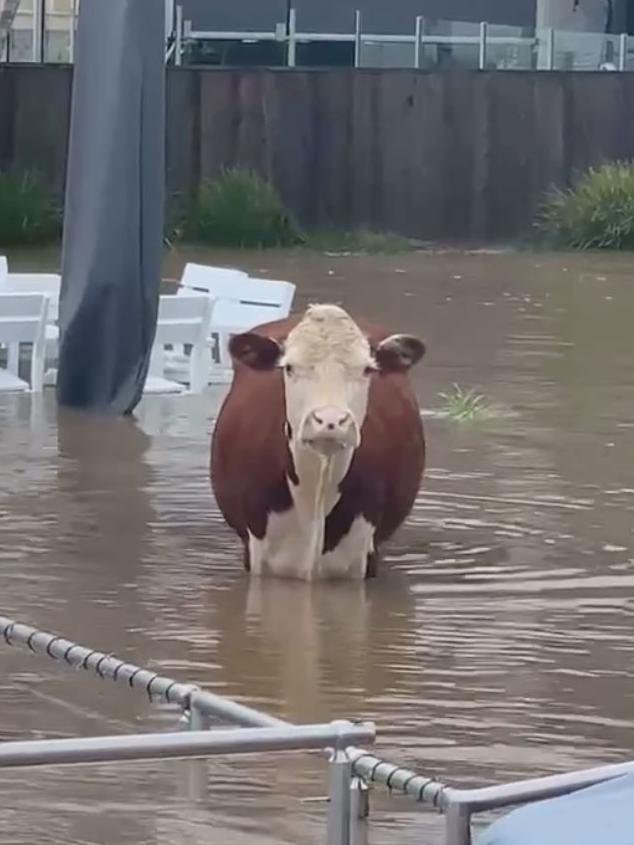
[(359, 241), (464, 405), (239, 209), (28, 213), (596, 213)]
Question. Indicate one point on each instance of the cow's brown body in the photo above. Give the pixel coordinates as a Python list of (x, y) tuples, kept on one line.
[(252, 468)]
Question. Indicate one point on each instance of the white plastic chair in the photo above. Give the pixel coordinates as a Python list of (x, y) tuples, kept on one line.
[(182, 320), (23, 319), (242, 302), (48, 283), (202, 277)]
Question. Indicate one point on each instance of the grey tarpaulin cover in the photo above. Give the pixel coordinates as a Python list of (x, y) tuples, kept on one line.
[(113, 226)]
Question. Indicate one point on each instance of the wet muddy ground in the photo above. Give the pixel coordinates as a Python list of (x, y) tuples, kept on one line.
[(496, 643)]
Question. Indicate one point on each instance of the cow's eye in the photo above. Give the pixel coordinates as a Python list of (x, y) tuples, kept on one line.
[(369, 370), (288, 369)]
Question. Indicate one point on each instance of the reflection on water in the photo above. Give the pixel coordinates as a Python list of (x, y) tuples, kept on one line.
[(496, 642)]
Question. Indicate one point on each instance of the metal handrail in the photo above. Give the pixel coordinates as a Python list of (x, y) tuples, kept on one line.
[(201, 705), (346, 760), (154, 746)]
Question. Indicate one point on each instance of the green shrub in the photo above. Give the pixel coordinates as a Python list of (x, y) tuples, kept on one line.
[(28, 213), (239, 209), (596, 213)]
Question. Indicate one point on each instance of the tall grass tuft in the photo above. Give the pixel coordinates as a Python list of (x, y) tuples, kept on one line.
[(28, 213), (464, 405), (240, 209), (596, 213)]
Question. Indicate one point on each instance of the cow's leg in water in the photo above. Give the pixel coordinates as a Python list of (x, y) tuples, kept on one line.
[(372, 569), (246, 557)]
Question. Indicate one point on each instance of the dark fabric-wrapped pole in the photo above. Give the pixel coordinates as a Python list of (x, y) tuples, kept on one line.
[(113, 226)]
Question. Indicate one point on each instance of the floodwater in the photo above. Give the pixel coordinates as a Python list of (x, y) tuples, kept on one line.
[(496, 643)]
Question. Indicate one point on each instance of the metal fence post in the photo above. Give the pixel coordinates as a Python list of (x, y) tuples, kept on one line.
[(196, 770), (482, 52), (550, 49), (292, 40), (457, 825), (622, 50), (357, 38), (39, 24), (197, 721), (178, 50), (418, 44), (339, 803), (71, 31), (359, 811)]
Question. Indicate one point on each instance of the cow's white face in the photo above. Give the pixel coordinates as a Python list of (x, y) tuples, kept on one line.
[(327, 364)]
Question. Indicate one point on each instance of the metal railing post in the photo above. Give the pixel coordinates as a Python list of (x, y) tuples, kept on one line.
[(178, 52), (71, 31), (482, 52), (197, 721), (457, 825), (169, 19), (357, 38), (418, 44), (550, 49), (292, 40), (196, 770), (339, 803), (622, 50), (38, 26), (359, 811)]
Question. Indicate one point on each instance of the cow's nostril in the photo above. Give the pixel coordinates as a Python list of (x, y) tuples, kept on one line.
[(344, 419), (331, 426), (318, 419)]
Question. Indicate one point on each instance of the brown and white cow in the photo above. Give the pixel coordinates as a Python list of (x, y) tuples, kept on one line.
[(318, 451)]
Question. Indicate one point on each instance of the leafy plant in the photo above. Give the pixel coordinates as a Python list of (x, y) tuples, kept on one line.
[(240, 209), (464, 405), (596, 213), (28, 213)]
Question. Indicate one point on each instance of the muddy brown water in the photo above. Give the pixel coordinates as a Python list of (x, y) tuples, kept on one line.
[(496, 643)]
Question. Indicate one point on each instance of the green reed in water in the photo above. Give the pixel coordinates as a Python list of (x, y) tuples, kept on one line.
[(464, 405)]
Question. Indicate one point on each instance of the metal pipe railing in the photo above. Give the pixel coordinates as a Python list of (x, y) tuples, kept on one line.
[(459, 805), (201, 705), (181, 745), (348, 763), (157, 687), (532, 789)]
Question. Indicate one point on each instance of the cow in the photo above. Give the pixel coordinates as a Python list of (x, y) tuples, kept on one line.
[(318, 451)]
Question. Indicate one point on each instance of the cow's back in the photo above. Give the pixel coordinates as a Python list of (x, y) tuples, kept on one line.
[(250, 460)]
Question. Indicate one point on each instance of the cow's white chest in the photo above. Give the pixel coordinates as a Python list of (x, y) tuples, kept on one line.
[(288, 550), (293, 543)]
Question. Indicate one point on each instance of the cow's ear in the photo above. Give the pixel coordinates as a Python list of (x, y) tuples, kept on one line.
[(399, 352), (255, 351)]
